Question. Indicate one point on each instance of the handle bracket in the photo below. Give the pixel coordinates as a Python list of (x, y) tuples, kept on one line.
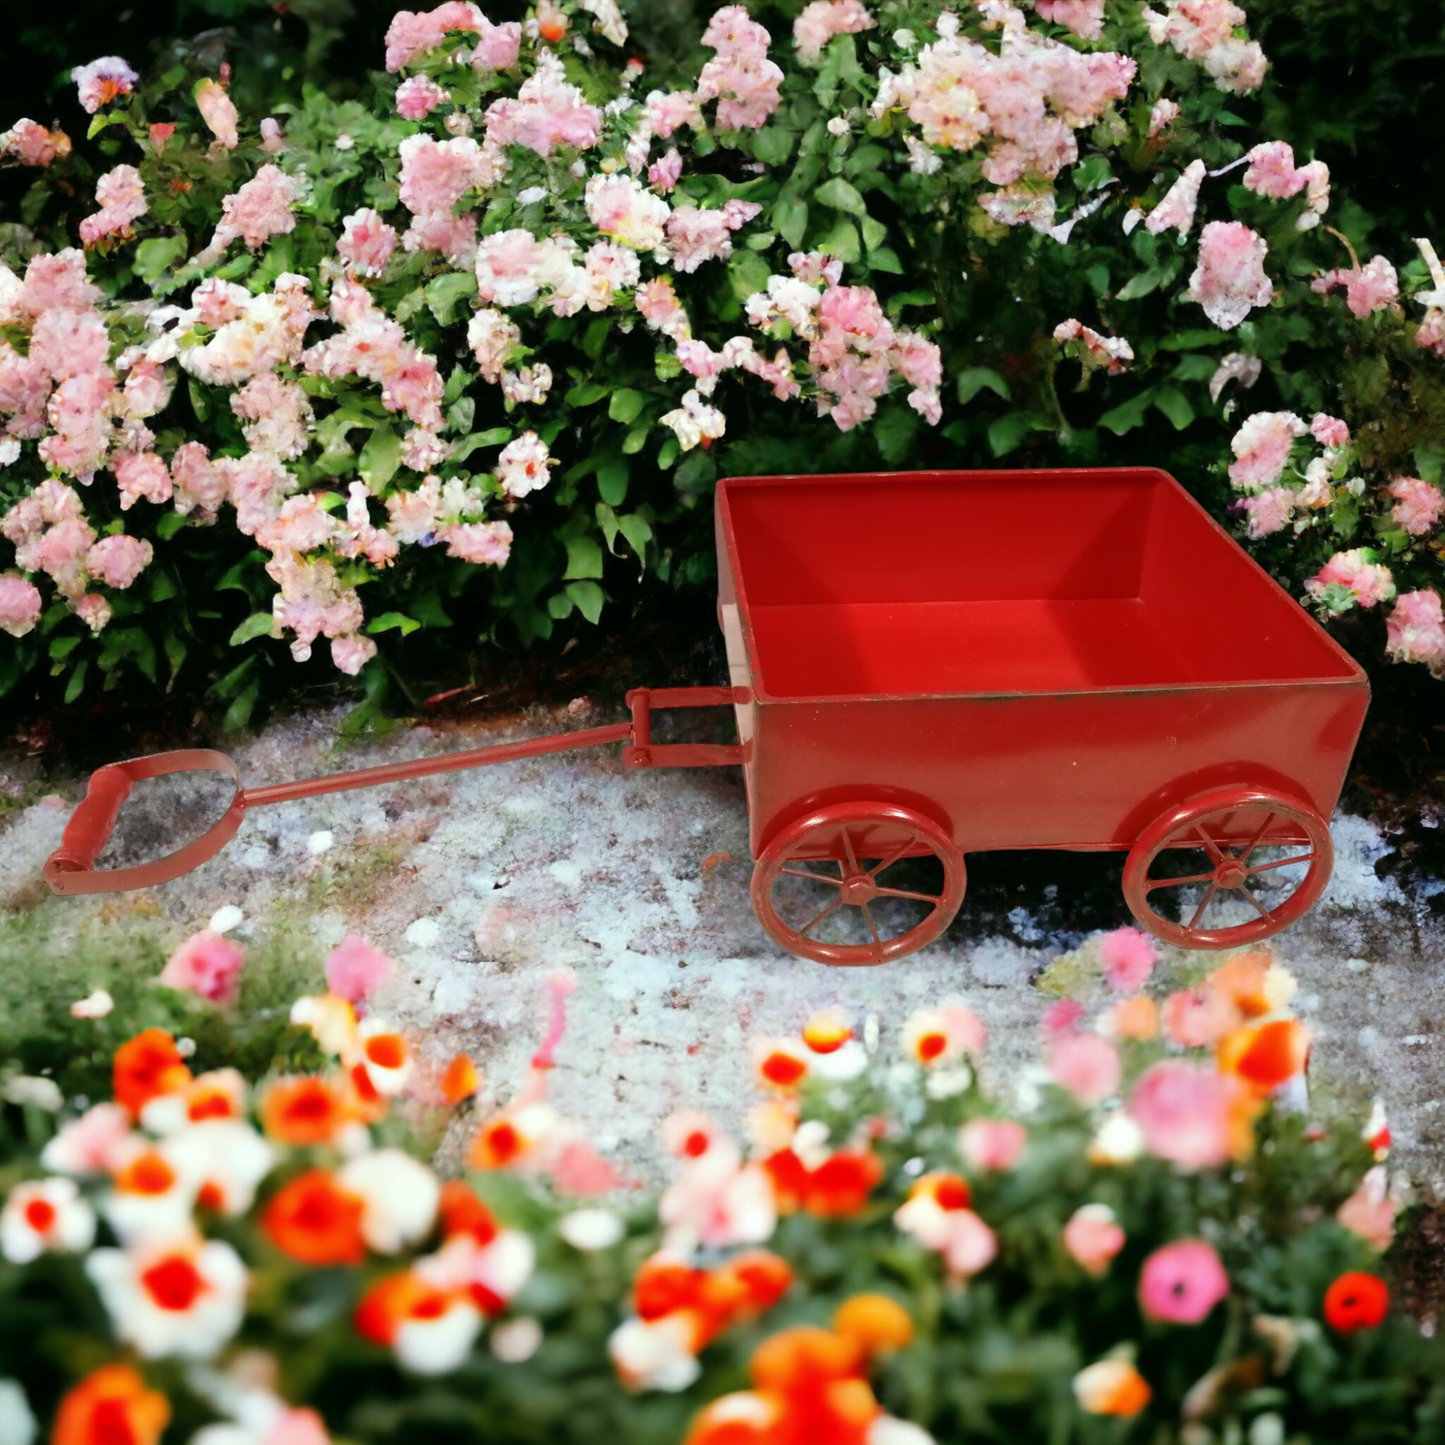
[(642, 752)]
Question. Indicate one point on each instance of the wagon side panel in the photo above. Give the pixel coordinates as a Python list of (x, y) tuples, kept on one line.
[(1087, 770)]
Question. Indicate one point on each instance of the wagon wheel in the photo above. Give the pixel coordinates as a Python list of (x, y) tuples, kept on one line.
[(841, 851), (1218, 840)]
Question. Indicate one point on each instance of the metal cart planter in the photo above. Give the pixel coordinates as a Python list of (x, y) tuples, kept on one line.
[(929, 664)]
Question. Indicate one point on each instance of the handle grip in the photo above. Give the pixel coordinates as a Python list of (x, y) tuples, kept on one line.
[(70, 869), (92, 823)]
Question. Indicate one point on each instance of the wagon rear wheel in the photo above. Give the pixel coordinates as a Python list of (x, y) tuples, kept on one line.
[(1225, 852), (828, 870)]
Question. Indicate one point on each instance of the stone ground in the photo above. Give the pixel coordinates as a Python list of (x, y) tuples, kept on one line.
[(480, 883)]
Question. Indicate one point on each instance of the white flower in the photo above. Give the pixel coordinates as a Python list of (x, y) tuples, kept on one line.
[(438, 1346), (94, 1006), (399, 1196), (1119, 1141), (385, 1057), (223, 920), (517, 1340), (33, 1091), (591, 1229), (18, 1425), (838, 126), (524, 465), (694, 420), (494, 1271), (185, 1298), (45, 1214), (228, 1158), (655, 1354)]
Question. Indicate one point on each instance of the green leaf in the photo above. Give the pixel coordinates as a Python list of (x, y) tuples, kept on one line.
[(886, 259), (842, 242), (698, 472), (842, 196), (163, 587), (894, 431), (380, 457), (445, 293), (773, 144), (667, 453), (76, 684), (589, 598), (595, 337), (1007, 433), (461, 414), (258, 624), (626, 404), (1193, 340), (155, 257), (748, 273), (239, 712), (175, 651), (1175, 405), (874, 233), (391, 620), (1130, 415), (585, 393), (612, 483), (637, 531), (169, 524), (975, 379), (790, 219), (1091, 174), (199, 404), (636, 439), (559, 605), (493, 437), (62, 647), (584, 559), (607, 520), (1144, 284)]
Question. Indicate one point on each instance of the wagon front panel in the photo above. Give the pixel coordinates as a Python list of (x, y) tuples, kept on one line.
[(1085, 770)]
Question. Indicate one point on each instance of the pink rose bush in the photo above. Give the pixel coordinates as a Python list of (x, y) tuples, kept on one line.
[(530, 294)]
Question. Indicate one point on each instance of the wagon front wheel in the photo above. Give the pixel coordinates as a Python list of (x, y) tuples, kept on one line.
[(823, 874), (1227, 853)]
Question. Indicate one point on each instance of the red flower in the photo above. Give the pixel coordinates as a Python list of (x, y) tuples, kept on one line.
[(111, 1405), (146, 1067), (315, 1221), (1356, 1301)]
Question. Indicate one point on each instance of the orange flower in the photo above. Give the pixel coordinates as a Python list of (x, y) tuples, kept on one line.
[(1266, 1055), (111, 1406), (315, 1221), (460, 1081), (461, 1212), (220, 1094), (1242, 980), (874, 1323), (147, 1173), (780, 1063), (392, 1301), (1112, 1387), (841, 1184), (305, 1110), (1134, 1018), (146, 1067), (827, 1031)]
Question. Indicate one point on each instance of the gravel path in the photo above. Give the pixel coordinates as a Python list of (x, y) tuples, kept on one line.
[(481, 883)]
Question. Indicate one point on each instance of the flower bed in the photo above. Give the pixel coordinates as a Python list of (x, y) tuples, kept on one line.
[(1157, 1240), (369, 345)]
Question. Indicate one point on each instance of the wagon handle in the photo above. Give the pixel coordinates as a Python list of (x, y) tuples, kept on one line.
[(70, 869)]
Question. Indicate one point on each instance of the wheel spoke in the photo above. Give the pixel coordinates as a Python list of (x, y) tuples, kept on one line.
[(1203, 904), (848, 848), (872, 927), (903, 893), (1283, 863), (1178, 882), (816, 877), (818, 918), (890, 860), (1263, 911), (1254, 842), (1210, 846)]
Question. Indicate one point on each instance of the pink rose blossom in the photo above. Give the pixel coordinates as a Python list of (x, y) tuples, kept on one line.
[(119, 560), (1092, 349), (547, 113), (272, 141), (79, 416), (70, 343), (694, 421), (817, 268), (32, 145), (498, 47), (102, 81), (262, 208), (1246, 370), (1085, 1065), (663, 175), (1203, 30), (366, 243), (481, 543), (122, 200), (355, 969), (670, 110), (147, 389), (1262, 447), (992, 1143), (1084, 17), (1093, 1237), (1329, 431), (1176, 211), (19, 604), (455, 237), (1417, 505), (57, 281), (435, 174), (24, 390), (208, 964), (218, 111), (195, 483), (276, 415), (740, 77), (351, 652), (492, 338), (418, 97), (660, 308), (1062, 1017), (94, 1143), (1181, 1283), (1230, 280), (1184, 1114), (514, 267), (1272, 171), (410, 33), (93, 610), (1127, 957), (256, 486), (141, 475), (1271, 511), (627, 211), (1165, 113), (1415, 630), (312, 601), (821, 20), (699, 236), (1357, 571)]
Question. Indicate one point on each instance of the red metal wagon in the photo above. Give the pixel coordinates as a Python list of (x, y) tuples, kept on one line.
[(929, 664)]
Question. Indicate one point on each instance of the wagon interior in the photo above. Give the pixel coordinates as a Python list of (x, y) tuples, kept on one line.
[(1004, 583)]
